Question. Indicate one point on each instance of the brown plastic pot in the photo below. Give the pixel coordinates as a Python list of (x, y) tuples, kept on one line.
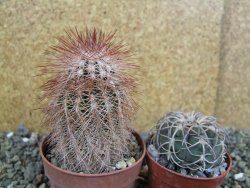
[(125, 178), (161, 177)]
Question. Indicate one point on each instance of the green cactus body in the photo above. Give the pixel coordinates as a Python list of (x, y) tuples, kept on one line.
[(190, 140), (90, 108)]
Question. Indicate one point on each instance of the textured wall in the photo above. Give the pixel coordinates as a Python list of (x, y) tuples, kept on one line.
[(177, 45), (233, 101)]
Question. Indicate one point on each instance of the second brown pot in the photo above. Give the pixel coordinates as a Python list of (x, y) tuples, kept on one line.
[(161, 177), (125, 178)]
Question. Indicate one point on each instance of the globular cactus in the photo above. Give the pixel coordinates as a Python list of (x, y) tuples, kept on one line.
[(91, 107), (190, 140)]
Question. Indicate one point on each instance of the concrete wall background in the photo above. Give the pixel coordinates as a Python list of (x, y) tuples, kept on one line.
[(233, 100), (187, 55)]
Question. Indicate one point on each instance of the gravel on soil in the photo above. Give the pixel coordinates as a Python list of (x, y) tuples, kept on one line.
[(21, 165)]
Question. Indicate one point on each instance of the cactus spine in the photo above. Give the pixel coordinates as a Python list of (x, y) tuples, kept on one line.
[(91, 107), (190, 140)]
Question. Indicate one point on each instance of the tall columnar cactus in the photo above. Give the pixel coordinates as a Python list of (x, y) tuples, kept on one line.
[(90, 108), (190, 140)]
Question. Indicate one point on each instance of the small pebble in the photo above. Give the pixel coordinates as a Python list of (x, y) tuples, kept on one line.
[(201, 174), (25, 140), (22, 130), (10, 134), (170, 166), (153, 152), (247, 182), (38, 179), (121, 165), (222, 170), (242, 164), (130, 161), (239, 177), (42, 185), (33, 138), (13, 184), (183, 171), (29, 173), (224, 165), (163, 161), (216, 172), (15, 158), (30, 186)]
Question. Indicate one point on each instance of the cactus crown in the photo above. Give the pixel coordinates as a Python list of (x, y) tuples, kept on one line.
[(90, 108), (190, 140)]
